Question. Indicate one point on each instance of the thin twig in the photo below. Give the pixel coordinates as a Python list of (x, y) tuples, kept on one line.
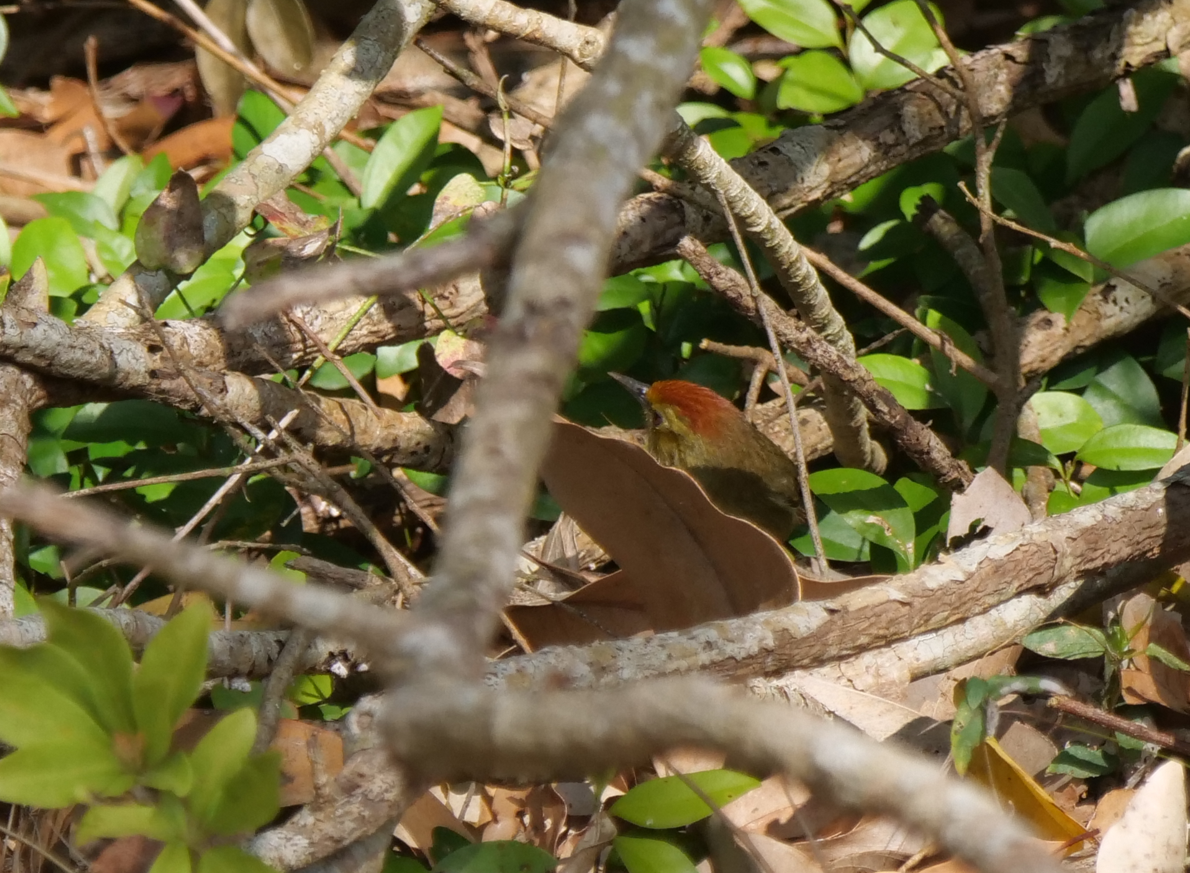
[(91, 53), (209, 473)]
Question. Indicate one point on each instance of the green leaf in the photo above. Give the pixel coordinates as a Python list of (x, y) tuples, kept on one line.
[(126, 820), (1166, 657), (1138, 226), (7, 107), (902, 29), (218, 759), (170, 678), (498, 856), (174, 775), (174, 858), (258, 116), (806, 23), (84, 211), (908, 380), (652, 855), (1066, 421), (250, 799), (840, 540), (328, 378), (230, 859), (969, 727), (114, 185), (1070, 642), (1123, 393), (669, 802), (1129, 447), (395, 360), (818, 82), (871, 506), (52, 775), (1059, 290), (57, 244), (728, 70), (1015, 190), (1083, 762), (400, 156), (47, 699), (130, 420), (102, 653), (614, 342), (964, 393), (1104, 131)]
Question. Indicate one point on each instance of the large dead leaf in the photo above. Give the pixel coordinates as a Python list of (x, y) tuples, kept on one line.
[(1149, 680), (682, 561), (1151, 835), (988, 502)]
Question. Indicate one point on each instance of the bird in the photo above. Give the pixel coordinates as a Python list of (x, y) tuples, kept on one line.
[(741, 470)]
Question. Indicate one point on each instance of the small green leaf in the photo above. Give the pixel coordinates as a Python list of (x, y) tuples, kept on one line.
[(498, 856), (57, 244), (174, 858), (1059, 290), (908, 380), (395, 360), (52, 775), (400, 156), (614, 341), (251, 798), (806, 23), (1065, 420), (969, 727), (652, 855), (964, 393), (902, 29), (47, 698), (174, 775), (729, 70), (84, 211), (1104, 131), (669, 802), (7, 107), (1129, 447), (1069, 642), (102, 653), (1083, 762), (170, 678), (1015, 190), (218, 759), (328, 378), (1166, 657), (1138, 226), (818, 82), (114, 185), (126, 820)]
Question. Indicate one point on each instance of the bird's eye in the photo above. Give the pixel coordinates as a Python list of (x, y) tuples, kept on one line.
[(657, 418)]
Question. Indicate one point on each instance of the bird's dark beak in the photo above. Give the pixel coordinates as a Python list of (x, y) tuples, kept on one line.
[(636, 388)]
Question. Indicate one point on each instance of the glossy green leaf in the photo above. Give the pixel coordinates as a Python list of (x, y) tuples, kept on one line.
[(1166, 657), (818, 82), (964, 393), (130, 420), (902, 29), (669, 802), (614, 341), (57, 244), (968, 729), (908, 380), (400, 156), (1139, 226), (806, 23), (728, 70), (840, 540), (1066, 421), (84, 211), (871, 506), (1067, 641), (258, 116), (1129, 447), (1015, 190), (102, 653), (652, 855), (230, 859), (1124, 394), (170, 678), (250, 799), (498, 856), (52, 775), (1104, 131), (218, 759), (395, 360), (912, 196)]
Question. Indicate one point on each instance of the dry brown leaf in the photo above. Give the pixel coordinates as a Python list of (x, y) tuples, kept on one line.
[(683, 562), (873, 844), (769, 809), (1150, 681), (990, 500), (416, 828), (877, 716), (1110, 809), (31, 153), (778, 856), (199, 143), (1151, 835), (310, 755)]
